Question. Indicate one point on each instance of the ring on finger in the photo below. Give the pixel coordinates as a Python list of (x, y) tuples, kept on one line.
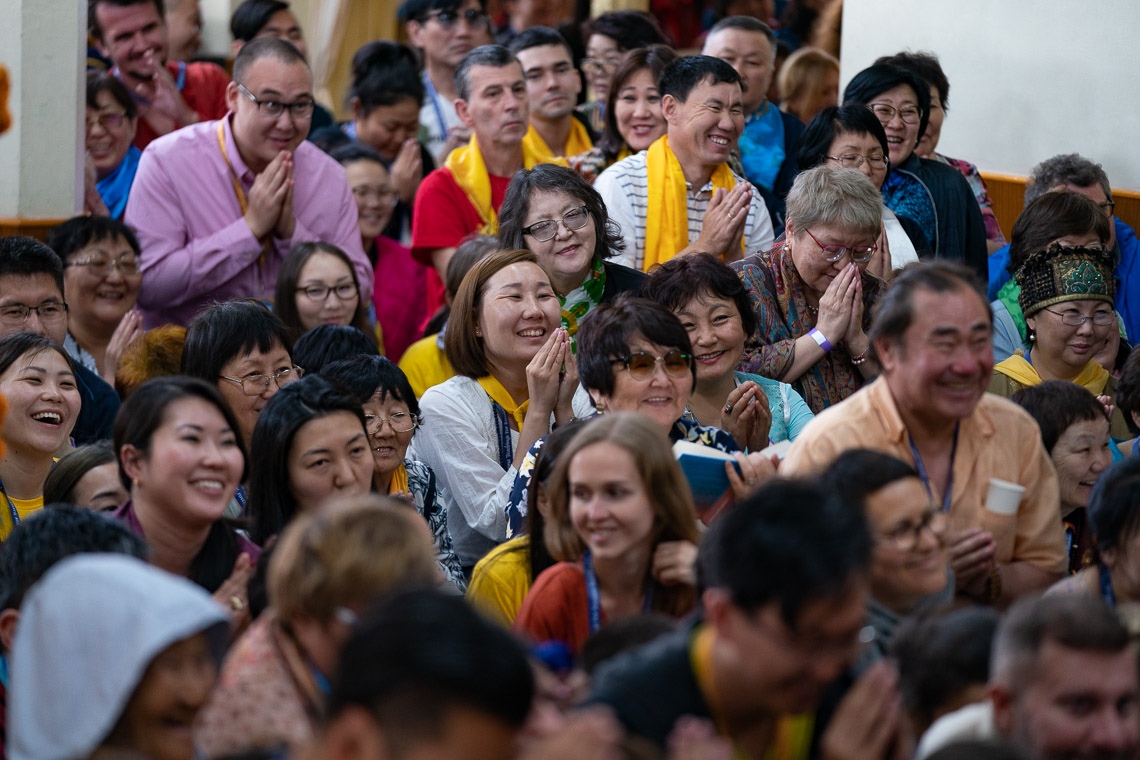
[(728, 408), (236, 604)]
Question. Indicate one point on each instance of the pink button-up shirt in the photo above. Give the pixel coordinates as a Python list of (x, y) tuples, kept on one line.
[(196, 245)]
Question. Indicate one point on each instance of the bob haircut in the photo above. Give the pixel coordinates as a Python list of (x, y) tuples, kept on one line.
[(224, 331), (348, 556), (383, 74), (1056, 214), (815, 142), (827, 195), (629, 29), (325, 344), (678, 281), (15, 346), (606, 335), (59, 487), (550, 178), (801, 77), (103, 81), (1056, 405), (143, 413), (873, 81), (463, 348), (251, 17), (653, 59), (675, 518), (78, 232), (272, 504), (286, 294), (365, 376)]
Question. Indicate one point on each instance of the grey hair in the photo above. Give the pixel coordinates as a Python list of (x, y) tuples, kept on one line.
[(495, 56), (1065, 169), (827, 195)]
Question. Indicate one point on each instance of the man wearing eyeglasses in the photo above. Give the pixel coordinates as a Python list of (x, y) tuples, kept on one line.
[(217, 206), (680, 196), (444, 31), (170, 94), (932, 338)]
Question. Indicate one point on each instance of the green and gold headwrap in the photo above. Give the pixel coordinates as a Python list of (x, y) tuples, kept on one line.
[(1059, 274)]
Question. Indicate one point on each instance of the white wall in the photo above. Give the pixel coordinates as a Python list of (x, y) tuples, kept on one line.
[(1028, 78)]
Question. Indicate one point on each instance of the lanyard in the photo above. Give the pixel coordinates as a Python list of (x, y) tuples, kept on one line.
[(594, 597), (1106, 592), (922, 474), (239, 191), (434, 97), (11, 506)]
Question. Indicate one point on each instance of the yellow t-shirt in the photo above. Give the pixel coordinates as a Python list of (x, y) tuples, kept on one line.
[(24, 507), (501, 581), (425, 364)]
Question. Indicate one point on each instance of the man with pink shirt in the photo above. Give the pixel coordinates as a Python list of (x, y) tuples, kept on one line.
[(216, 206)]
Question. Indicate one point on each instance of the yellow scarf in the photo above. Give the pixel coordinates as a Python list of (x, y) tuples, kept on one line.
[(667, 219), (504, 399), (793, 732), (470, 173), (577, 143), (1093, 377), (399, 482)]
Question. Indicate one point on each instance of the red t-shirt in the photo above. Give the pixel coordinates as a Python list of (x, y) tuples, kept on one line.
[(444, 217), (557, 608), (204, 91)]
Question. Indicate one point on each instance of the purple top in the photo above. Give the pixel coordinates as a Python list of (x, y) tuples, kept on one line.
[(196, 246), (126, 513)]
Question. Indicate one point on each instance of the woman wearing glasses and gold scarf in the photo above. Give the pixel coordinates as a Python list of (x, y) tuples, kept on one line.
[(812, 294)]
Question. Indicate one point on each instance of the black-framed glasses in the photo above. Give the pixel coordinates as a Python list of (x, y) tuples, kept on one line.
[(48, 311), (641, 365), (855, 160), (127, 264), (400, 422), (574, 219), (298, 109), (255, 384), (448, 19), (345, 292), (885, 113), (109, 120), (905, 537), (833, 252), (1108, 207), (1076, 319)]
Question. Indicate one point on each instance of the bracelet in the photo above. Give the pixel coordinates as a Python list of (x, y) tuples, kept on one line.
[(993, 587), (820, 338), (858, 359)]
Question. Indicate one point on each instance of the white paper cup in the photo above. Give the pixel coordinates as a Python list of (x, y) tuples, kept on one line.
[(1004, 497)]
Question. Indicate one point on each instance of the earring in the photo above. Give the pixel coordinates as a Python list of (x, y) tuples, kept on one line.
[(600, 406)]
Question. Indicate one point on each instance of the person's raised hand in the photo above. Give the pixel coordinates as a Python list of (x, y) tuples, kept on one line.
[(267, 196), (567, 386), (854, 337), (881, 265), (756, 469), (675, 563), (233, 594), (543, 371), (286, 220), (971, 555), (407, 170), (747, 416), (836, 303), (694, 738), (723, 225), (129, 328), (866, 723), (167, 110)]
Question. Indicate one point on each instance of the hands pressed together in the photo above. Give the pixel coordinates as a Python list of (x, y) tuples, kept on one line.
[(270, 208)]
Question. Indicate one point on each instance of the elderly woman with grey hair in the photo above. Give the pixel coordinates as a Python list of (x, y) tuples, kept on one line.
[(811, 292)]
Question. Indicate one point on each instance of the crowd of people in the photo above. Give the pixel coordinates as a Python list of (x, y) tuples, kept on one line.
[(573, 397)]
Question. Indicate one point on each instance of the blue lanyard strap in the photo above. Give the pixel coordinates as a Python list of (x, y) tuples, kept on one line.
[(925, 477), (434, 97), (1106, 592), (503, 429), (11, 506), (594, 598)]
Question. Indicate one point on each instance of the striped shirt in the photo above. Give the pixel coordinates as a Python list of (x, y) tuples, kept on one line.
[(624, 188)]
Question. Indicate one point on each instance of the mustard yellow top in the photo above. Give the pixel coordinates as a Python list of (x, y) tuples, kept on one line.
[(501, 581), (425, 365), (24, 507)]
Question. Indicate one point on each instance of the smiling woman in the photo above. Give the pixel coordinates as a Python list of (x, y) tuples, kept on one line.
[(37, 380), (317, 286)]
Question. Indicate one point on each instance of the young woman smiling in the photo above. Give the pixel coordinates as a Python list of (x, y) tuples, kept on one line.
[(37, 379), (317, 286)]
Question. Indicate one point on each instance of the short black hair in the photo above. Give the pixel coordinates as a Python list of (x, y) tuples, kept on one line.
[(72, 466), (629, 29), (93, 20), (78, 232), (325, 344), (606, 331), (683, 74), (266, 47), (1056, 405), (1114, 506), (815, 142), (25, 256), (927, 66), (226, 330), (351, 151), (15, 345), (681, 279), (608, 240), (1051, 216), (791, 542), (858, 473), (538, 36), (251, 16), (383, 74), (104, 81), (418, 655), (1128, 390), (363, 376), (47, 536), (873, 81), (272, 504), (417, 10)]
